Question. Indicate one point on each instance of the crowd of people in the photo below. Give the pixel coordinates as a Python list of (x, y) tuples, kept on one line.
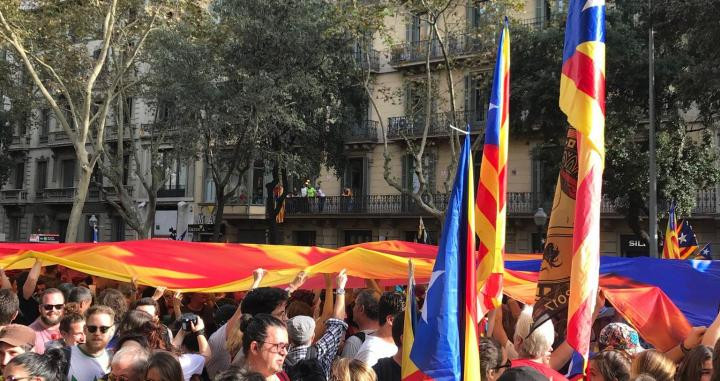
[(60, 325)]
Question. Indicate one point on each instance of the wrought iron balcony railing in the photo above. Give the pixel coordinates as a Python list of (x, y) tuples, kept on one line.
[(365, 131), (456, 45), (413, 126)]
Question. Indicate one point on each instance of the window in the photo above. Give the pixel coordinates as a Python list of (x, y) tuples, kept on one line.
[(356, 176), (259, 191), (175, 177), (473, 15), (410, 179), (44, 123), (476, 102), (14, 229), (118, 229), (164, 111), (41, 176), (67, 172), (353, 237), (126, 169), (19, 175), (304, 237), (412, 29), (209, 186)]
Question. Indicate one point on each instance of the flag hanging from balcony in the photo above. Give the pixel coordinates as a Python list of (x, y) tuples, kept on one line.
[(582, 99), (687, 241), (671, 248), (490, 204), (446, 338)]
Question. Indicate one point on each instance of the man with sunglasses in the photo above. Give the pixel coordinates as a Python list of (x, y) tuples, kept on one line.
[(47, 325), (91, 360)]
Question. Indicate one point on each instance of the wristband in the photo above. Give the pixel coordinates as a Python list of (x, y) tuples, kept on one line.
[(340, 291), (200, 332)]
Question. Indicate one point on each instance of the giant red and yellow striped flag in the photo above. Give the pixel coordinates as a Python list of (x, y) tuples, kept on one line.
[(490, 204), (582, 99)]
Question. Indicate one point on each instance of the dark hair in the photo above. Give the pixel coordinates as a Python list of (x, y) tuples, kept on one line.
[(51, 366), (390, 304), (691, 366), (236, 373), (398, 327), (254, 328), (150, 335), (306, 296), (79, 294), (613, 365), (133, 321), (114, 299), (263, 300), (716, 362), (9, 305), (491, 355), (369, 301), (166, 364), (65, 288), (100, 309), (68, 319), (297, 308), (146, 302)]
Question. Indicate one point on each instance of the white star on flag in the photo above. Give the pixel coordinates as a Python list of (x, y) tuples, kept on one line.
[(705, 252), (682, 238), (593, 3), (492, 106), (433, 278)]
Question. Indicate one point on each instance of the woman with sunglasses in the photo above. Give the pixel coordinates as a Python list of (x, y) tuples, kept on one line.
[(265, 344), (32, 366), (493, 359)]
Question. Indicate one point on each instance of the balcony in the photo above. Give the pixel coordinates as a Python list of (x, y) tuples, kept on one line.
[(107, 193), (19, 142), (169, 193), (400, 127), (57, 138), (59, 195), (365, 132), (457, 46), (13, 196), (368, 61)]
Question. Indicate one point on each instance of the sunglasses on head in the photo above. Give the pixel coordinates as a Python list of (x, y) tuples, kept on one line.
[(49, 307), (94, 328)]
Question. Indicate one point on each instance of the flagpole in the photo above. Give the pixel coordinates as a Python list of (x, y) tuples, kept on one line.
[(652, 175)]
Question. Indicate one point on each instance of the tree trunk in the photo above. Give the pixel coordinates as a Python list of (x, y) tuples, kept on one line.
[(79, 200), (219, 211)]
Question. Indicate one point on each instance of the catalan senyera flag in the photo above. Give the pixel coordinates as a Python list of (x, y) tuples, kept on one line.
[(687, 240), (705, 252), (582, 99), (490, 204), (446, 337), (409, 371), (671, 248)]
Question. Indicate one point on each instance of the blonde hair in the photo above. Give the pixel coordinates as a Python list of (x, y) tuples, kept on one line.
[(352, 370), (653, 363)]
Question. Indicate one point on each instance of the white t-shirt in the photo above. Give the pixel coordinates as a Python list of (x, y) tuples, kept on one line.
[(353, 344), (220, 357), (375, 348), (191, 363), (84, 367)]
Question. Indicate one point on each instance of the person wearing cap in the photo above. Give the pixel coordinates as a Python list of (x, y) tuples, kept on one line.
[(301, 332), (47, 325), (15, 339)]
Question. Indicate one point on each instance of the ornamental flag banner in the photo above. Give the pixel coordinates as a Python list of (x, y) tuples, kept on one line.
[(671, 248), (582, 99), (490, 204), (408, 370), (687, 240), (446, 337)]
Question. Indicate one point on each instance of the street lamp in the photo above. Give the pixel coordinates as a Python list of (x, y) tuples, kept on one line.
[(93, 221), (540, 218)]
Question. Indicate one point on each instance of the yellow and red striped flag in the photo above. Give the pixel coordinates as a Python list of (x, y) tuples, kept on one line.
[(490, 203), (409, 371), (582, 99)]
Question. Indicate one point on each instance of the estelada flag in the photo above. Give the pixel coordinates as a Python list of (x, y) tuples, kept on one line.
[(490, 212), (446, 337)]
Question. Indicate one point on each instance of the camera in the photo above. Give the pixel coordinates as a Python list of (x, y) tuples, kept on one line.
[(186, 319)]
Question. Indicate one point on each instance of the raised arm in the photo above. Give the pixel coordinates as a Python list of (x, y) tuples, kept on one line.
[(32, 279)]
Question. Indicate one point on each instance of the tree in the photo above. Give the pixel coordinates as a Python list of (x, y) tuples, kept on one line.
[(54, 41), (301, 58), (685, 155), (449, 41)]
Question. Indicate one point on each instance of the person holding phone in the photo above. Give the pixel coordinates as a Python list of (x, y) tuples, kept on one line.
[(193, 345)]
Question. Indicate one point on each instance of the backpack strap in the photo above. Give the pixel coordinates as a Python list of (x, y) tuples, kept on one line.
[(360, 335)]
